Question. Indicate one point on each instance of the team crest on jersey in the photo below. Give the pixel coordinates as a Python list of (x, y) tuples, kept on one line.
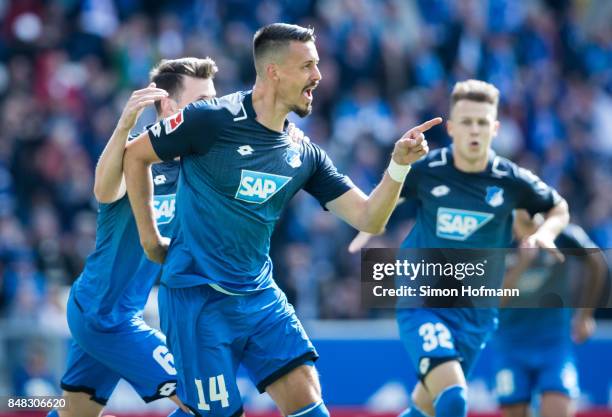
[(292, 157), (173, 122), (440, 190), (258, 187), (458, 224), (163, 207), (495, 196), (159, 179)]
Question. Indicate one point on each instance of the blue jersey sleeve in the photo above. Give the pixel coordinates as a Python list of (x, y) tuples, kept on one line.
[(193, 130), (534, 195), (326, 183), (574, 237)]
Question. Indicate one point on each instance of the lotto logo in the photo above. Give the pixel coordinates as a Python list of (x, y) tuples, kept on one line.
[(164, 207), (458, 224), (258, 187)]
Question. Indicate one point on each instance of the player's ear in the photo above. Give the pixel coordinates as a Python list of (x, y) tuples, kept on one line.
[(272, 72), (449, 127), (495, 128), (168, 106)]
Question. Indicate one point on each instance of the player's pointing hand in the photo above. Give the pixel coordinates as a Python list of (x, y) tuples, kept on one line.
[(412, 146)]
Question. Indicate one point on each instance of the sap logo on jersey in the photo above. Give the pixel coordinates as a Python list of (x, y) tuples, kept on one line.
[(458, 224), (258, 187), (164, 206)]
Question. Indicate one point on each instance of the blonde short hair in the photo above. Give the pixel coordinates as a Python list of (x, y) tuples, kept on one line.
[(474, 90)]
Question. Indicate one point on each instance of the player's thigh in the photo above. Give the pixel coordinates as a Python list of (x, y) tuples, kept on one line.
[(139, 354), (197, 331), (559, 375), (271, 319), (445, 375), (80, 404), (88, 377), (296, 390), (555, 404), (131, 349), (515, 410), (422, 399)]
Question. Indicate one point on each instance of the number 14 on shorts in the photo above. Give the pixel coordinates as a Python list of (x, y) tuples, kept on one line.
[(217, 392)]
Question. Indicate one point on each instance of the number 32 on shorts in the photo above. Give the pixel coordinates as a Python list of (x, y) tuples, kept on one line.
[(434, 335), (217, 392)]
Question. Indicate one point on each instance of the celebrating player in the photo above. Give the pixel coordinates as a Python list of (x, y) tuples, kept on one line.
[(534, 347), (465, 195), (111, 339), (219, 304)]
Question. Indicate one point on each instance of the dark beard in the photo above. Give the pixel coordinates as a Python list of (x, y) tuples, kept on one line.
[(302, 112)]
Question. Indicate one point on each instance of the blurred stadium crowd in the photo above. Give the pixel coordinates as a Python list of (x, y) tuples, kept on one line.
[(67, 67)]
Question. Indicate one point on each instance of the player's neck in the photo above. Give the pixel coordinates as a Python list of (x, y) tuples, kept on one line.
[(270, 112), (465, 165)]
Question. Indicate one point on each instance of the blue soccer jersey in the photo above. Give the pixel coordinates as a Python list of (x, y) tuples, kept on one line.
[(117, 277), (111, 339), (457, 209), (236, 178)]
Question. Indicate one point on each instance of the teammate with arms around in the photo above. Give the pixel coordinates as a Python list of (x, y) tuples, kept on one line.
[(110, 338), (219, 304), (465, 195), (534, 346)]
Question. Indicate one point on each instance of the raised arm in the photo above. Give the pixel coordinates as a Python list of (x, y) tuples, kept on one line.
[(139, 155), (109, 183), (371, 213)]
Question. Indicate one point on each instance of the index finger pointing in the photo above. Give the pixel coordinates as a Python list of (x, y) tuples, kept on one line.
[(428, 124)]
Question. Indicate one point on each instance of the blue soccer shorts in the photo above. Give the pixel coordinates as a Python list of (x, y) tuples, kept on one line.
[(432, 340), (523, 371), (132, 350), (211, 333)]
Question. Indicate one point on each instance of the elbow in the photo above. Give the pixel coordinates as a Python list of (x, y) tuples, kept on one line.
[(101, 191), (563, 212), (373, 228)]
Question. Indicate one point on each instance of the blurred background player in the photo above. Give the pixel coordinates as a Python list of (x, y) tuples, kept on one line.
[(111, 339), (465, 184), (534, 352), (219, 304)]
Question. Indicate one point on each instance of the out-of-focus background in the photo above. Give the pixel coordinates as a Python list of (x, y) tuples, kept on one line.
[(68, 66)]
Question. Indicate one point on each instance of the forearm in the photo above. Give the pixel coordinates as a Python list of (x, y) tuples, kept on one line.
[(556, 220), (109, 183), (594, 279), (139, 184), (379, 205)]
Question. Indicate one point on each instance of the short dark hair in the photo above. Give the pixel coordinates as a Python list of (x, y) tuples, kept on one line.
[(475, 90), (168, 74), (274, 36)]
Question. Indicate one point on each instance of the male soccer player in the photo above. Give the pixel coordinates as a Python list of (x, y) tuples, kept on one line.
[(534, 347), (465, 195), (111, 340), (219, 304)]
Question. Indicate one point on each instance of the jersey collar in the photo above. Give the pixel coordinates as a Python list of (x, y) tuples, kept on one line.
[(250, 111), (490, 159)]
